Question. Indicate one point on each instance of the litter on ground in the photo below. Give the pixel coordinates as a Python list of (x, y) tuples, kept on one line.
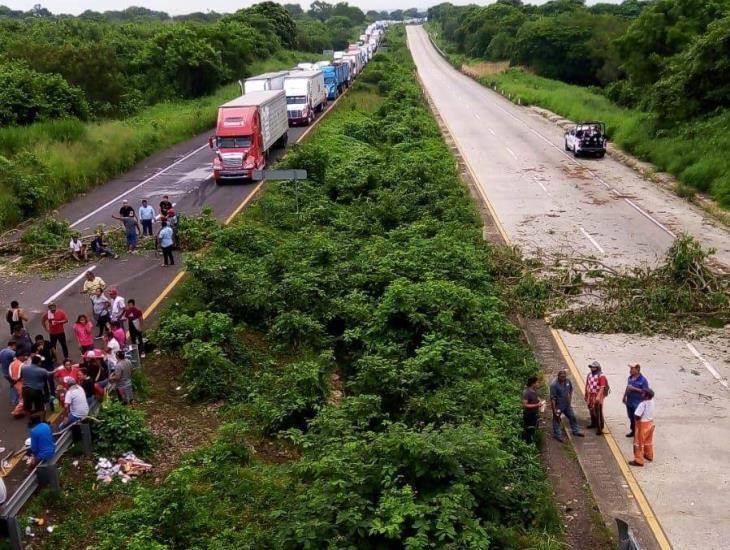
[(125, 468)]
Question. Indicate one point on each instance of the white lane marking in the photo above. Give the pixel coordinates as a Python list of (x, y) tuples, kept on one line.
[(131, 189), (647, 215), (593, 241), (707, 365), (477, 115), (492, 132), (570, 158), (69, 285), (511, 152), (537, 181)]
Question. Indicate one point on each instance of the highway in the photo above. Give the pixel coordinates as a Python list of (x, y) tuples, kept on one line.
[(549, 203), (184, 173)]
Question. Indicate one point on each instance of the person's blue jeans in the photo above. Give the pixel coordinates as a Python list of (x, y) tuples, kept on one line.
[(630, 410), (70, 419), (12, 393), (570, 415), (147, 227)]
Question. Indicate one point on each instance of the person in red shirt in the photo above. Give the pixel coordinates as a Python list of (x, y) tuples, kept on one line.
[(596, 391), (134, 315), (67, 370), (54, 321)]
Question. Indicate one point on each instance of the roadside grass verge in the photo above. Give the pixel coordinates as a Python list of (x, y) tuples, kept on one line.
[(373, 270), (46, 164), (694, 152)]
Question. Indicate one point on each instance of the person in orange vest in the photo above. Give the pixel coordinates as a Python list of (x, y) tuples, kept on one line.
[(596, 391), (644, 432)]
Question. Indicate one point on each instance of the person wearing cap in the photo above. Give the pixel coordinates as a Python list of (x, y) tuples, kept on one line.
[(54, 321), (561, 396), (634, 394), (118, 306), (42, 444), (76, 403), (531, 404), (644, 432), (596, 391), (146, 217)]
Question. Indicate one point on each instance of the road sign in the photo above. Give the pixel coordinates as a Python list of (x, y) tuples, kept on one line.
[(279, 174)]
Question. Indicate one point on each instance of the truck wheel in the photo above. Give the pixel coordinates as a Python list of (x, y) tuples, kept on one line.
[(601, 154), (283, 140), (566, 145), (218, 181)]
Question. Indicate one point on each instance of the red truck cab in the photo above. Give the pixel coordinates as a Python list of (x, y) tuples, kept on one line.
[(237, 143)]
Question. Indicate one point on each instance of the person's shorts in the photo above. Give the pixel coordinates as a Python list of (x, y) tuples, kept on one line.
[(131, 239), (32, 400)]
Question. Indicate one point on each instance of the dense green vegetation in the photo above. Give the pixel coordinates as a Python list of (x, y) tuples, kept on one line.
[(657, 71), (144, 80), (374, 269)]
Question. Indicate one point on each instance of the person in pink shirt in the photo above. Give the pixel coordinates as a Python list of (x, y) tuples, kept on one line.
[(119, 335), (84, 332)]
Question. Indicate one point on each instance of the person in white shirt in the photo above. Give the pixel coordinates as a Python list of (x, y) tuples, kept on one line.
[(118, 306), (79, 251), (75, 401), (147, 217), (644, 433)]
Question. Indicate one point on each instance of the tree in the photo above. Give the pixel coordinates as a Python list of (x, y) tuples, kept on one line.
[(353, 13), (295, 10), (320, 10), (339, 29), (281, 20), (662, 30)]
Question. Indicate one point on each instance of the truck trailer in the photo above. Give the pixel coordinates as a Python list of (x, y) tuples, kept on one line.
[(305, 95), (263, 82), (248, 128)]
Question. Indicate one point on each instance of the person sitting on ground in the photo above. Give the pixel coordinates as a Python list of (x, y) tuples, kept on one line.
[(42, 444), (120, 379), (100, 248), (78, 249), (76, 404)]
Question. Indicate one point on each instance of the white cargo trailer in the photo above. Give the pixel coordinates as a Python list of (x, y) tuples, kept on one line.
[(305, 94), (263, 82)]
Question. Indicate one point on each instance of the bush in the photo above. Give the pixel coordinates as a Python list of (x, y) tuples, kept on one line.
[(121, 429)]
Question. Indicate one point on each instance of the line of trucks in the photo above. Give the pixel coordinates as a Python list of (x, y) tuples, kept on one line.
[(250, 126)]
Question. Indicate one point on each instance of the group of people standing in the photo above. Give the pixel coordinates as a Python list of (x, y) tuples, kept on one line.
[(38, 380), (638, 398), (135, 225)]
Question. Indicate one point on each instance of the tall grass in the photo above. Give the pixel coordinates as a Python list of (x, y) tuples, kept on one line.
[(696, 152), (72, 156)]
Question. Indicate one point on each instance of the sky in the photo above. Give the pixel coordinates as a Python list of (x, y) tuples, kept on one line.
[(177, 7)]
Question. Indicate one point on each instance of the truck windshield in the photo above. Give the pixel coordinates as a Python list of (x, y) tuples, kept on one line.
[(295, 99), (234, 142)]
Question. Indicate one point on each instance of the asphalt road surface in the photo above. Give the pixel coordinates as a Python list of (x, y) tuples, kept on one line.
[(184, 173), (548, 202)]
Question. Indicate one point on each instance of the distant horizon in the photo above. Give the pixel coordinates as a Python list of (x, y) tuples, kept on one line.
[(72, 7)]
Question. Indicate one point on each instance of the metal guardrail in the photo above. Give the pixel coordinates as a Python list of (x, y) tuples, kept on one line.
[(45, 474)]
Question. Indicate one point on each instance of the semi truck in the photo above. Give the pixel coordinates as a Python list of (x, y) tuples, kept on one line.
[(347, 69), (262, 82), (305, 95), (335, 79), (248, 128)]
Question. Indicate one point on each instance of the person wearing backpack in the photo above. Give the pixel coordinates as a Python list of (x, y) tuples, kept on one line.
[(597, 389)]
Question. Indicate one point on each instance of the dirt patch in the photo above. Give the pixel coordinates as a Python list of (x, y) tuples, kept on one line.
[(178, 425), (477, 70)]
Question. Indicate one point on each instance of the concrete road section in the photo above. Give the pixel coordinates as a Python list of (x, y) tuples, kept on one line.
[(547, 202), (182, 172), (546, 199), (687, 484)]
